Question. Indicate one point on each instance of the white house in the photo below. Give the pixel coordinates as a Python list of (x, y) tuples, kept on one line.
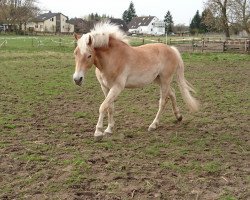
[(50, 22), (147, 25)]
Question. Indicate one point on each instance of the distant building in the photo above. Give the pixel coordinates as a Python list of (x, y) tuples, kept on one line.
[(150, 25), (50, 22)]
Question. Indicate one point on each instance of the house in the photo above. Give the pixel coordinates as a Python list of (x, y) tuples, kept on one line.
[(84, 26), (50, 22), (150, 25)]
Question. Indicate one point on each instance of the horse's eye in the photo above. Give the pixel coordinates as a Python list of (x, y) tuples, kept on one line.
[(89, 56)]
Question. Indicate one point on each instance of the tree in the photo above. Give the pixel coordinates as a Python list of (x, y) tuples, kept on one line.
[(130, 13), (181, 29), (240, 14), (168, 19), (195, 25), (220, 9), (125, 16), (208, 21), (17, 11)]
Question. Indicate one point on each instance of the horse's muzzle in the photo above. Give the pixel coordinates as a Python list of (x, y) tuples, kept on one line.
[(78, 81)]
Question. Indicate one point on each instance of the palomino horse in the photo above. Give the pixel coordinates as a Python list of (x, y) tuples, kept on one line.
[(119, 65)]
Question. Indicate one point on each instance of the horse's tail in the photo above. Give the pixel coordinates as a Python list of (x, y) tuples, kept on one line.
[(184, 85)]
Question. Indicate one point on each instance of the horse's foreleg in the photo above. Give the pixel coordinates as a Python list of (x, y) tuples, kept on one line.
[(162, 103), (107, 104), (111, 109), (176, 110), (111, 121)]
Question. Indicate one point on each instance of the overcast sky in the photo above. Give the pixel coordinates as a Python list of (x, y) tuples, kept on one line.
[(181, 10)]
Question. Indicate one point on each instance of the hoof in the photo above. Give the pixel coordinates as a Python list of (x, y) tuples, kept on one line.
[(98, 136), (152, 128), (179, 118), (107, 134)]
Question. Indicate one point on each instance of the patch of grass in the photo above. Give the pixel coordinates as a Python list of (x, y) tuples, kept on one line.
[(212, 167), (156, 148), (10, 126), (153, 150), (227, 197), (108, 144), (82, 115), (33, 157), (78, 162), (4, 144), (78, 172), (75, 177), (182, 168)]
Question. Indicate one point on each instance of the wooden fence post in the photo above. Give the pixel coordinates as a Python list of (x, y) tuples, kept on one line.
[(224, 46), (193, 44), (247, 45), (248, 48), (203, 45)]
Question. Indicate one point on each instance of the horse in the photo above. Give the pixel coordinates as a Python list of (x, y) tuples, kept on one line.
[(119, 65)]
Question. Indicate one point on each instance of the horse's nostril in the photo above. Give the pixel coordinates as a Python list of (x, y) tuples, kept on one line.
[(80, 79)]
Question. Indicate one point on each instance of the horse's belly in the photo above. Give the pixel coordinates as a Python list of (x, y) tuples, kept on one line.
[(140, 80)]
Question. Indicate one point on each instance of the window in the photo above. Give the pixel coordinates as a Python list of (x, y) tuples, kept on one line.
[(52, 19)]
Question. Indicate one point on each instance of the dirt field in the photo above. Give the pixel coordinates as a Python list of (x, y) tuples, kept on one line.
[(47, 123)]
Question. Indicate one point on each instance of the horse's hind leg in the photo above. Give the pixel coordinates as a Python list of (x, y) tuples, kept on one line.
[(176, 110), (162, 103)]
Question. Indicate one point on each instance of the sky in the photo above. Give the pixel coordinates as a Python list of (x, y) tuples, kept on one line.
[(182, 11)]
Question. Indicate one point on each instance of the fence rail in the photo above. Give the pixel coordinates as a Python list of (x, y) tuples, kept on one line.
[(240, 45), (183, 44)]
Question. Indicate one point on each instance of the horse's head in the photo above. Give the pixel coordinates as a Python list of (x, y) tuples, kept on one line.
[(84, 57)]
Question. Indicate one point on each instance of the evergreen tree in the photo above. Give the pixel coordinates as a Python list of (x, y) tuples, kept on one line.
[(125, 16), (204, 17), (168, 19), (195, 25), (130, 13)]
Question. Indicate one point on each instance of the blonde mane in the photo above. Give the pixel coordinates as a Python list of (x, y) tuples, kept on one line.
[(100, 36)]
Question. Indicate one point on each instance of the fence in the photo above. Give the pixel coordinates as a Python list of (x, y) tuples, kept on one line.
[(22, 43), (183, 44), (203, 44), (212, 45)]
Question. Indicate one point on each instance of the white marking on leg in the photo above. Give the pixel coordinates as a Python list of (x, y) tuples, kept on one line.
[(162, 103), (111, 122), (112, 95)]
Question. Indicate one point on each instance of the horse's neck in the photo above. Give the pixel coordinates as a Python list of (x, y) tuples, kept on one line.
[(106, 56)]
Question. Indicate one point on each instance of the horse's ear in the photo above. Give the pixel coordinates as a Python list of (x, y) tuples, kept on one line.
[(76, 36), (90, 41)]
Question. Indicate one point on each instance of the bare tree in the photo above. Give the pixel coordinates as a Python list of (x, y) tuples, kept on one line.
[(220, 9), (4, 10), (17, 11), (240, 14)]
